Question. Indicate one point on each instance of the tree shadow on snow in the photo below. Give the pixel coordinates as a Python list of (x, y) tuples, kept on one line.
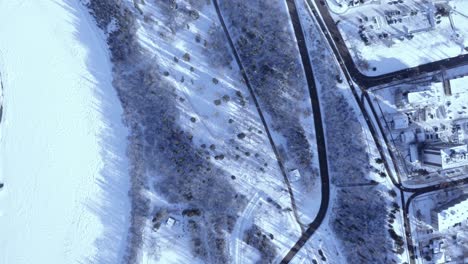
[(112, 207)]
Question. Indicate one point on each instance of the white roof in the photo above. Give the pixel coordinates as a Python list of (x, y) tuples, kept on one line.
[(432, 159), (439, 258), (454, 156), (453, 214), (170, 222), (447, 156), (459, 85), (294, 175), (420, 96), (424, 96)]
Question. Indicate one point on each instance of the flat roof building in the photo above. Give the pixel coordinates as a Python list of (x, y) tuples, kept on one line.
[(424, 96), (450, 214), (170, 222), (459, 85), (445, 155), (294, 175)]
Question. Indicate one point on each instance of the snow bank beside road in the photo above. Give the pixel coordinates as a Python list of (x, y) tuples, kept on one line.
[(62, 145)]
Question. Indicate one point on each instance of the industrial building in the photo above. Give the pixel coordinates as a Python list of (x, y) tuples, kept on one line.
[(450, 214), (445, 155), (414, 154)]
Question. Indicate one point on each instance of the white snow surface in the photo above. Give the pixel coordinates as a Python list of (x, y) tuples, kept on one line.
[(172, 245), (62, 142), (442, 42)]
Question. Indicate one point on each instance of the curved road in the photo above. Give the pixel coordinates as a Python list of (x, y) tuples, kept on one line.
[(366, 82), (348, 67), (259, 110), (321, 147), (320, 135)]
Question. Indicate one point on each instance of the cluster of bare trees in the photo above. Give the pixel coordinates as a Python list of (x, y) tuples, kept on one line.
[(256, 238), (363, 216), (268, 51), (161, 153), (345, 138), (362, 224)]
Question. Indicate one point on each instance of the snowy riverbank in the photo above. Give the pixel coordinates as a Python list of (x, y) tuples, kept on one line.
[(62, 142)]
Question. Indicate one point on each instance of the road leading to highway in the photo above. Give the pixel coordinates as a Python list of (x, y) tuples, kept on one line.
[(320, 135), (344, 62), (259, 110)]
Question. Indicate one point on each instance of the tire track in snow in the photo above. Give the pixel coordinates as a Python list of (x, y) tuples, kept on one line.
[(239, 228)]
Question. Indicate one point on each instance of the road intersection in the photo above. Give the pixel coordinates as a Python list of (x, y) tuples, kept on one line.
[(359, 84)]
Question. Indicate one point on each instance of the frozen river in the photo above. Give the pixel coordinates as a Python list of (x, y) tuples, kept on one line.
[(62, 142)]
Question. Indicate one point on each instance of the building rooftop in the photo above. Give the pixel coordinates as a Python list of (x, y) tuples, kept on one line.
[(454, 156), (452, 213), (446, 155), (459, 85), (425, 96)]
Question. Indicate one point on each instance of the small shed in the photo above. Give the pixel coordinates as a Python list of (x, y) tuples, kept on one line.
[(459, 85), (170, 222), (294, 175)]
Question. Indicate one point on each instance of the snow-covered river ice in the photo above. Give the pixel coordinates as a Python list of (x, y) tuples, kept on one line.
[(62, 141)]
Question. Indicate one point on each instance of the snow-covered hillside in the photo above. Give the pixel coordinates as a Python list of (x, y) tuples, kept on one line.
[(62, 142), (209, 176)]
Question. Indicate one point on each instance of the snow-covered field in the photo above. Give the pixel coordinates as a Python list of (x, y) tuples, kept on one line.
[(62, 144)]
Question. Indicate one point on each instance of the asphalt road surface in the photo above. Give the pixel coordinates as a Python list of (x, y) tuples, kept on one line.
[(352, 74), (320, 135)]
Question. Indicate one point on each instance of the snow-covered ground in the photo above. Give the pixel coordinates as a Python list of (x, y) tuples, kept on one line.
[(218, 111), (331, 243), (323, 242), (62, 149), (411, 39)]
